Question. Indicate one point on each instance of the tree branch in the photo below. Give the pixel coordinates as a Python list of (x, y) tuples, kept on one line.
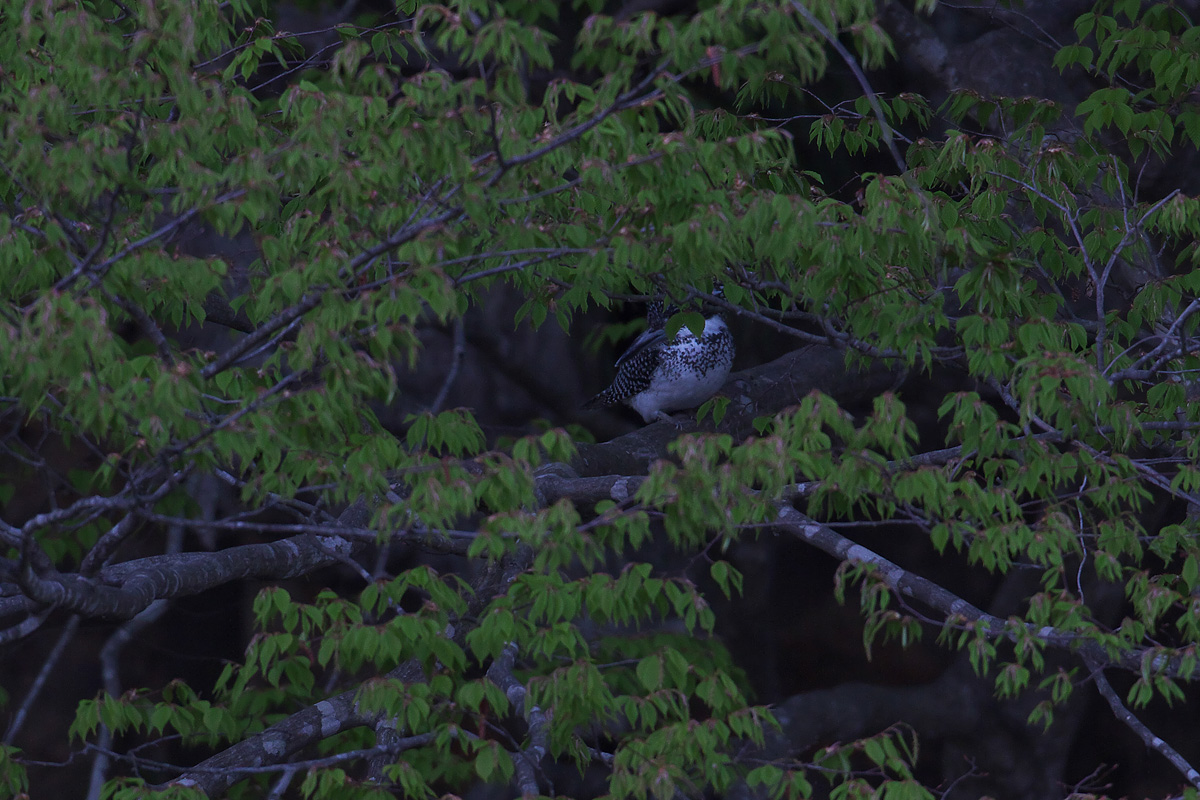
[(885, 130), (1137, 726), (529, 758), (952, 607)]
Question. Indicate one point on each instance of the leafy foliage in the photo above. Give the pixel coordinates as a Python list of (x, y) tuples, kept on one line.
[(554, 628)]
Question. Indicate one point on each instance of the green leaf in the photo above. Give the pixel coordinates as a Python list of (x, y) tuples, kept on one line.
[(650, 672)]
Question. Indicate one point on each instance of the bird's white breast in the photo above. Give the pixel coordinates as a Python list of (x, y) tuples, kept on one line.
[(691, 373)]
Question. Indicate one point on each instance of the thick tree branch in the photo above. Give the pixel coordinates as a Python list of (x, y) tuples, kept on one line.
[(955, 609), (123, 590), (341, 712), (277, 743), (760, 391), (527, 762)]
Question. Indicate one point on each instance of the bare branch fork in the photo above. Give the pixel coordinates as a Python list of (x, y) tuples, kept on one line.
[(528, 760)]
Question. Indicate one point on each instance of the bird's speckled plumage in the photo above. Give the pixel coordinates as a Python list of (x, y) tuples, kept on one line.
[(655, 375)]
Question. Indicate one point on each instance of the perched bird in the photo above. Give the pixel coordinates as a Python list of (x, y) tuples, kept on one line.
[(656, 374)]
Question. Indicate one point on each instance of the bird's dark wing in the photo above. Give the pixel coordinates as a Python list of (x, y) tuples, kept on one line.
[(648, 338), (635, 371)]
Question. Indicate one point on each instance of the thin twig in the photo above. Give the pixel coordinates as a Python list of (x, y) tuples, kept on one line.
[(456, 359), (39, 682), (1137, 726), (101, 269), (884, 128), (110, 661), (1160, 350)]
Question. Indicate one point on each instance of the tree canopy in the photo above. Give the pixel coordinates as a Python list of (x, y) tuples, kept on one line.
[(301, 301)]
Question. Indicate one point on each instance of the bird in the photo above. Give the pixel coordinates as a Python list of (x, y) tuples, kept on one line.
[(657, 374)]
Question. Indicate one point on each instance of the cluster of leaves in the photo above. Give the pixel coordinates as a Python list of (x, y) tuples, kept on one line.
[(394, 189)]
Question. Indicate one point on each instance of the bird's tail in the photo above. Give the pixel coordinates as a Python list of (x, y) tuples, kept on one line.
[(602, 400)]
